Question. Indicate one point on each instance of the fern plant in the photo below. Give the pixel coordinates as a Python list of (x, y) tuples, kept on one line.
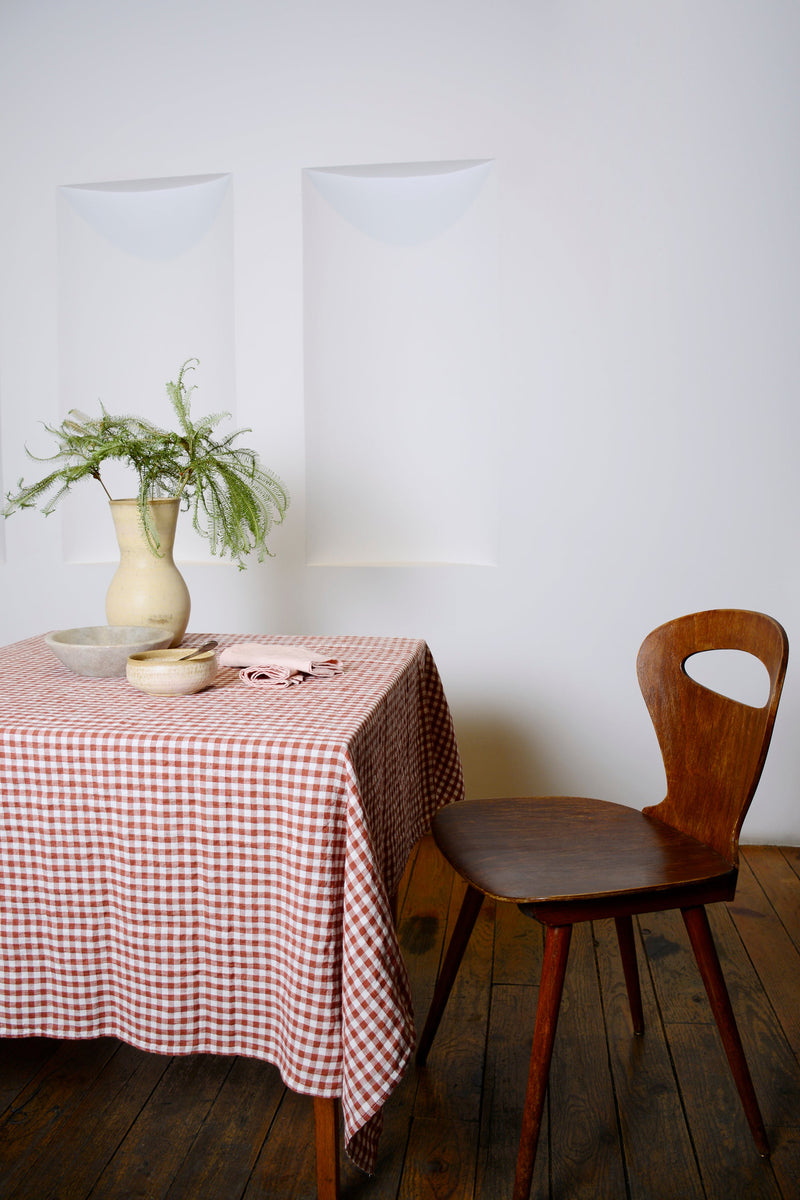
[(234, 500)]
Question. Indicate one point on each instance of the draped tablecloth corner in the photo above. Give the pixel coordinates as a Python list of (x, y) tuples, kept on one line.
[(212, 873)]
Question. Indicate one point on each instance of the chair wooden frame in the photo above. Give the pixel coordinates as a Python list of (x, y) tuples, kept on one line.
[(569, 859)]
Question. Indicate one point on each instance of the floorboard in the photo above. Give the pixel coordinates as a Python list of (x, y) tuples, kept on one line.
[(628, 1118)]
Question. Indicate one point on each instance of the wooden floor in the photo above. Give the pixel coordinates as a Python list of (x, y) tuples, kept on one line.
[(652, 1118)]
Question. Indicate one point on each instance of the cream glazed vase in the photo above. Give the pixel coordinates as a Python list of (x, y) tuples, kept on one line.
[(147, 588)]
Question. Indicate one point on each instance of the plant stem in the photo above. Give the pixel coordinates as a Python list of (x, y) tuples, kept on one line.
[(97, 476)]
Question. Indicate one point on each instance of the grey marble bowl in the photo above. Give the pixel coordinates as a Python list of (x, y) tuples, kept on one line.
[(101, 651)]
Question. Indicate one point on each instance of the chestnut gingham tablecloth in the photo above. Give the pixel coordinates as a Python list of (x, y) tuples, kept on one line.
[(212, 873)]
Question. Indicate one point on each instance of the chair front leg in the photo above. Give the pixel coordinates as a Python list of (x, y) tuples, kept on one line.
[(554, 967), (467, 916), (696, 921), (627, 952)]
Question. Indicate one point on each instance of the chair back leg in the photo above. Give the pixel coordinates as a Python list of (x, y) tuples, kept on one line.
[(554, 967), (627, 951), (696, 921), (465, 923)]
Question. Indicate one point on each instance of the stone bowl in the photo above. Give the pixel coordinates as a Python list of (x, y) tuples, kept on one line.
[(101, 651), (161, 673)]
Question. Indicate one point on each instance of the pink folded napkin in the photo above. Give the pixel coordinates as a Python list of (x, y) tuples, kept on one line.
[(277, 665)]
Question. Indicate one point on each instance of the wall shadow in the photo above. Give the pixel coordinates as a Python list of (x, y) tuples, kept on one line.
[(502, 757)]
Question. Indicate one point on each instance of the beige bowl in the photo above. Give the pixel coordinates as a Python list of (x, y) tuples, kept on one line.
[(160, 673), (101, 651)]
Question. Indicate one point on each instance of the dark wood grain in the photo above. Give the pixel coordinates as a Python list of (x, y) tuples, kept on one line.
[(683, 1135), (147, 1161), (792, 856), (705, 953), (778, 882), (586, 1157), (719, 1129), (286, 1165), (33, 1121), (513, 1010), (92, 1124), (452, 1085), (771, 948), (657, 1144), (713, 746), (554, 968), (566, 860), (22, 1058), (222, 1157), (773, 1063)]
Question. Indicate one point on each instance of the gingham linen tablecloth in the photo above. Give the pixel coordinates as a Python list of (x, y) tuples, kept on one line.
[(212, 873)]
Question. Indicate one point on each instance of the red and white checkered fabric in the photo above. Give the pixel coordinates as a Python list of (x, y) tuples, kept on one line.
[(211, 873)]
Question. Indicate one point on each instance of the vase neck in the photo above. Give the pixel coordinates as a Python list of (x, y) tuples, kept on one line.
[(131, 537)]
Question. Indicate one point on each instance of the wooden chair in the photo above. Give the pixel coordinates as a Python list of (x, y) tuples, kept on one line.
[(564, 859)]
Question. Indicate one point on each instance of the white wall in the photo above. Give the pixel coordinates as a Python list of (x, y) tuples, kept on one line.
[(644, 396)]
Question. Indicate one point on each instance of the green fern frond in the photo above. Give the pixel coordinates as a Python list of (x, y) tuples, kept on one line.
[(235, 501)]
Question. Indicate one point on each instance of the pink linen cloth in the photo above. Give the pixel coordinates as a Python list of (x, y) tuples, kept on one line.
[(265, 665)]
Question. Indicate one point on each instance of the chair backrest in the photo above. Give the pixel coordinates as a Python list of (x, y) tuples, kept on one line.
[(713, 747)]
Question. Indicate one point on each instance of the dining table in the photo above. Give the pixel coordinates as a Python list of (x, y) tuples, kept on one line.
[(215, 873)]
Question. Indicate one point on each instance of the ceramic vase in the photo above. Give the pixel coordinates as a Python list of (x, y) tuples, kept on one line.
[(147, 588)]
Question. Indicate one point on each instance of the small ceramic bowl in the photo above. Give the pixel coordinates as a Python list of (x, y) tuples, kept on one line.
[(101, 651), (161, 673)]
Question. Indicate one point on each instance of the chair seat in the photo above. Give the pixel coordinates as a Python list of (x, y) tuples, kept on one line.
[(566, 852)]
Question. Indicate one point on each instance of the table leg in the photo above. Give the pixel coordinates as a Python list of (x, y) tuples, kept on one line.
[(326, 1120)]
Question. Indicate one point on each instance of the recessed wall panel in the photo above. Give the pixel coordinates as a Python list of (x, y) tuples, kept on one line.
[(145, 282), (400, 363)]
